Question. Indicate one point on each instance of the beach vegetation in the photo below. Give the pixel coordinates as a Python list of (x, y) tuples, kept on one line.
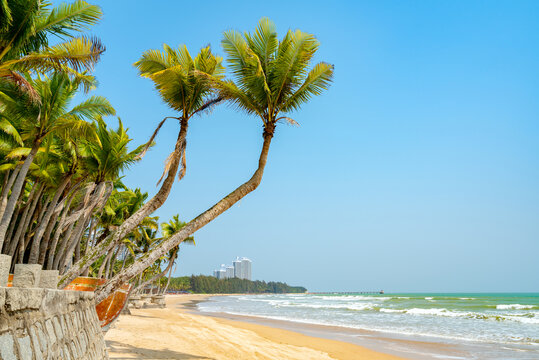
[(201, 284), (62, 200), (271, 78)]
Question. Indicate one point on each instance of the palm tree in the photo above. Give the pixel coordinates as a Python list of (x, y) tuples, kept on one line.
[(173, 73), (168, 229), (24, 31), (272, 79), (39, 120), (105, 158)]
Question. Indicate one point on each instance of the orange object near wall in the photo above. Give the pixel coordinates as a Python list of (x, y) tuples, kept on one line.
[(108, 309)]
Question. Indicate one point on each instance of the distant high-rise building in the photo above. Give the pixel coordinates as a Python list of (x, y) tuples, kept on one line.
[(229, 272), (221, 274), (237, 268), (246, 268), (241, 268)]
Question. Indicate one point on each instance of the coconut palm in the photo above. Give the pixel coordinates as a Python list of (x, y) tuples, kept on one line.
[(173, 73), (39, 120), (272, 78), (169, 229), (25, 27), (105, 158)]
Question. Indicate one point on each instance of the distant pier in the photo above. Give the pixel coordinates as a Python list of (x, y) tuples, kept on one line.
[(381, 292)]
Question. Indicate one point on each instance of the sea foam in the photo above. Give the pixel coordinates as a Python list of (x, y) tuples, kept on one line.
[(514, 307)]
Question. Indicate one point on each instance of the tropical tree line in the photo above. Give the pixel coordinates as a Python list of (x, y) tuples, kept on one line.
[(60, 163), (62, 201), (201, 284)]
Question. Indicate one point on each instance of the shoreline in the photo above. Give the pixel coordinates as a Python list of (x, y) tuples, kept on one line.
[(386, 343), (181, 332)]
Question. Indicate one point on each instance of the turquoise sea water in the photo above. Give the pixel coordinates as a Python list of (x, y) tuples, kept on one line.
[(497, 326)]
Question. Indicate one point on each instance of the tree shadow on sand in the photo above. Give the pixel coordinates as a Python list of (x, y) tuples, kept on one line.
[(142, 353)]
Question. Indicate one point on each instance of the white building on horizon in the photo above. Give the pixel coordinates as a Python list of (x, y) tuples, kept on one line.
[(237, 268), (229, 272), (220, 274), (241, 269), (246, 268)]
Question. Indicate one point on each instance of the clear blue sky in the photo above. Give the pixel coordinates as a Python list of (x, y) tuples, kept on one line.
[(417, 171)]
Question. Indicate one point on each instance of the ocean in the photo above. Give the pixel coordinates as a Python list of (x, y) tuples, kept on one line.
[(480, 326)]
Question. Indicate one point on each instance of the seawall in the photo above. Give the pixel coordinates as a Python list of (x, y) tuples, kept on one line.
[(49, 324)]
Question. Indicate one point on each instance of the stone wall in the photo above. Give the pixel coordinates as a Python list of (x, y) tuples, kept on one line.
[(49, 324)]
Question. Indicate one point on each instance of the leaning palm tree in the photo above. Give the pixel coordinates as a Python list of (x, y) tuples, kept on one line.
[(173, 73), (25, 27), (167, 230), (272, 79), (39, 120)]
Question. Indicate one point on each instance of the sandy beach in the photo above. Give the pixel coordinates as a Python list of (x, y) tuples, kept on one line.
[(176, 333)]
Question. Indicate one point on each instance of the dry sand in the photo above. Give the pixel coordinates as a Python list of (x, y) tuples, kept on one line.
[(175, 333)]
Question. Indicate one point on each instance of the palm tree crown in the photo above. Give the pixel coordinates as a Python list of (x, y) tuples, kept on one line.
[(172, 71), (272, 76), (25, 27)]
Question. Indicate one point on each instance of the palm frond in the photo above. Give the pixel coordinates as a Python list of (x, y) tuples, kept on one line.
[(21, 82), (69, 56), (264, 42), (91, 108), (8, 128), (66, 19), (317, 81), (152, 61), (5, 15)]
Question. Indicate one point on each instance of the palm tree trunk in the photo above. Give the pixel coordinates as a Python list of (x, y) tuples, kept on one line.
[(16, 219), (91, 234), (40, 231), (16, 190), (125, 258), (141, 286), (169, 276), (25, 221), (62, 248), (4, 189), (134, 220), (8, 183), (110, 265), (46, 239), (72, 242), (60, 228), (103, 265), (101, 196), (224, 204)]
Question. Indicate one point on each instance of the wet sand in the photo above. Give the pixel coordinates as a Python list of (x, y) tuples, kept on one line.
[(178, 333)]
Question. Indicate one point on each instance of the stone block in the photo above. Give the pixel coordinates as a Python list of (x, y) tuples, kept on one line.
[(19, 299), (7, 348), (57, 327), (5, 265), (35, 339), (25, 348), (50, 331), (26, 275), (48, 279), (42, 337)]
